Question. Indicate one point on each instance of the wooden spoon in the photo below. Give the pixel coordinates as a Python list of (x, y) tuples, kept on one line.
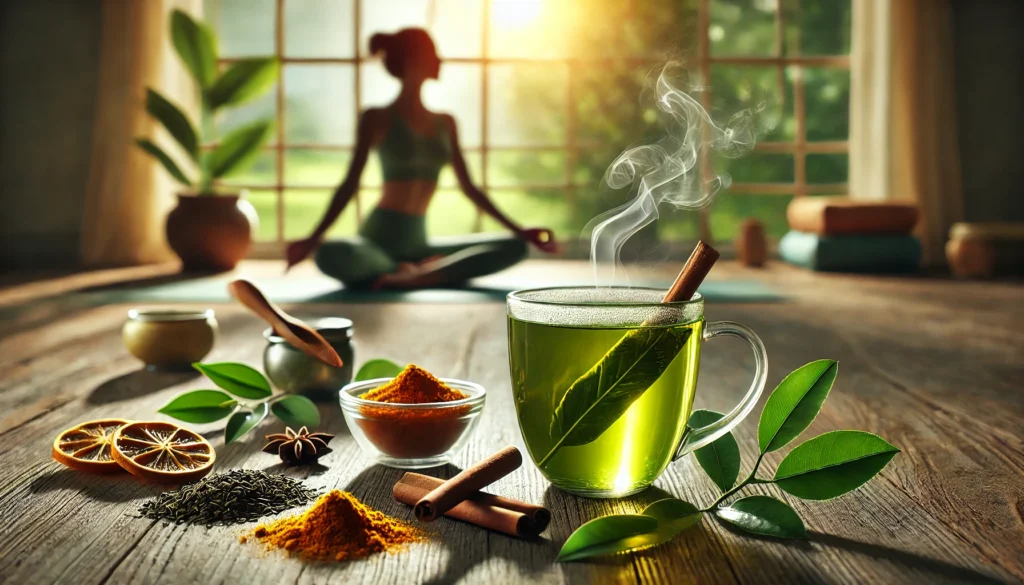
[(294, 331)]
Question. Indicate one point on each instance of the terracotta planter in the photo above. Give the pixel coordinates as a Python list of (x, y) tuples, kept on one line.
[(211, 232)]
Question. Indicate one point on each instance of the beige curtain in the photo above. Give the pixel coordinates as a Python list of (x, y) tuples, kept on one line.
[(903, 134), (128, 194)]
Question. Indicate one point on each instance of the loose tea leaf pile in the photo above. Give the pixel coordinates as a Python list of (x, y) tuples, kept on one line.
[(229, 498)]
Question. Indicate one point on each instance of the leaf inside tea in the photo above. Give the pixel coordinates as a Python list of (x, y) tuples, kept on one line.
[(599, 397)]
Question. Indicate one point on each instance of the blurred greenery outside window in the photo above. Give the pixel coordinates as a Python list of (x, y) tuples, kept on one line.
[(545, 96)]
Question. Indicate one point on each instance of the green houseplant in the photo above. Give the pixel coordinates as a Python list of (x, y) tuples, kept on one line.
[(209, 232)]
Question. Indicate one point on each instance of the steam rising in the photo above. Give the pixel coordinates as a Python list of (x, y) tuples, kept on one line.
[(668, 172)]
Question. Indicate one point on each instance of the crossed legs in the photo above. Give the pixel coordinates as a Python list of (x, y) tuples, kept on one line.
[(360, 262)]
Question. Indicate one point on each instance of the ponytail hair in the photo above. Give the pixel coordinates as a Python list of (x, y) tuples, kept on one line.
[(379, 42), (401, 46)]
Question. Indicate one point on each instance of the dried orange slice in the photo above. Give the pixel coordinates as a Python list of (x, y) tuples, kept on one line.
[(86, 447), (162, 452)]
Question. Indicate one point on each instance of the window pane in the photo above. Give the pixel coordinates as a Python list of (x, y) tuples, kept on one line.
[(730, 209), (378, 87), (321, 168), (742, 27), (447, 180), (348, 223), (265, 202), (450, 213), (506, 168), (527, 104), (758, 167), (319, 28), (372, 173), (657, 30), (827, 96), (740, 87), (603, 126), (548, 208), (319, 104), (678, 225), (456, 28), (458, 92), (245, 28), (824, 27), (388, 16), (529, 28), (262, 172), (828, 168), (261, 108), (303, 209)]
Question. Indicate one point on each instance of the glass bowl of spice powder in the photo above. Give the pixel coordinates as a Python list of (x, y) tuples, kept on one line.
[(413, 420)]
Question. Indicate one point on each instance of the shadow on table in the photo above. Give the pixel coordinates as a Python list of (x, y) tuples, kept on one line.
[(137, 384), (463, 541), (140, 283), (121, 488), (907, 559), (699, 555)]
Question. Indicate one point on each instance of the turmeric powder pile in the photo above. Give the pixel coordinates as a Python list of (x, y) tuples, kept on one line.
[(337, 527), (414, 386)]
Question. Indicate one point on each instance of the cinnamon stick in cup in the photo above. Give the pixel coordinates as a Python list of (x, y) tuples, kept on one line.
[(693, 273), (450, 493), (480, 509)]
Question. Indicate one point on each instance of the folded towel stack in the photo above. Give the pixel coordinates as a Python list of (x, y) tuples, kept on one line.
[(838, 234)]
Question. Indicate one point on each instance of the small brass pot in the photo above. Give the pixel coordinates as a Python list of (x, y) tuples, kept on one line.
[(295, 372), (169, 339)]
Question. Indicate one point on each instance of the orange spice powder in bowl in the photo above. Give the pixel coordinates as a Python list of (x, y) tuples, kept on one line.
[(413, 420)]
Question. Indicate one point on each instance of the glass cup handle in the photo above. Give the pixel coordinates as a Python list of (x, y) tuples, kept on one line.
[(694, 439)]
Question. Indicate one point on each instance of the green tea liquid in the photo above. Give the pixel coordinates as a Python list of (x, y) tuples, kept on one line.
[(546, 359)]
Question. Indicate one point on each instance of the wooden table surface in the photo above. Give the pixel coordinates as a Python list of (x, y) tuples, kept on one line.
[(935, 367)]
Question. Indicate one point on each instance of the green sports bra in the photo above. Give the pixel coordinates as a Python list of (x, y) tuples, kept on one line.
[(406, 155)]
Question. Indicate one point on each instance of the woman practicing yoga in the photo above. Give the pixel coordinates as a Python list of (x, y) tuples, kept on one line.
[(392, 250)]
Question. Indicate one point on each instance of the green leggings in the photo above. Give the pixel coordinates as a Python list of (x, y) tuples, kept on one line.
[(389, 237)]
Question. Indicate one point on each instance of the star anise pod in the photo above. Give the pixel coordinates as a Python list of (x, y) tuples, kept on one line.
[(298, 448)]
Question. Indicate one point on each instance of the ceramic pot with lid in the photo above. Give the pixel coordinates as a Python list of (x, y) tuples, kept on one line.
[(295, 372)]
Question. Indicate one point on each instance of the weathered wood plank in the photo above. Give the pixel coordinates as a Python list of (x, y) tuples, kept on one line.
[(933, 367)]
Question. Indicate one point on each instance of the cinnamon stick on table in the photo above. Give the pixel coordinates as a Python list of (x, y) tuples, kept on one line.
[(450, 493), (480, 509)]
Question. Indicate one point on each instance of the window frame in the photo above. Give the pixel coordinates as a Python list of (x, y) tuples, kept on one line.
[(782, 60)]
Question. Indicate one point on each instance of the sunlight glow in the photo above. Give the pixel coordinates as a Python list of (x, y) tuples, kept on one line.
[(512, 14), (624, 478)]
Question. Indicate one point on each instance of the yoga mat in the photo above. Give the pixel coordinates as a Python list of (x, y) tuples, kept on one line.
[(326, 290)]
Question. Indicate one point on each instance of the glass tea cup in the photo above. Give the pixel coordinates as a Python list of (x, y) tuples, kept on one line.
[(604, 380)]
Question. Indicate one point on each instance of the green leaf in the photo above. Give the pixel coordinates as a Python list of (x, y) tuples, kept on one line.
[(175, 121), (609, 534), (169, 164), (599, 397), (673, 515), (721, 459), (833, 464), (239, 379), (243, 81), (794, 403), (244, 421), (239, 148), (296, 411), (765, 516), (378, 368), (200, 406), (197, 47)]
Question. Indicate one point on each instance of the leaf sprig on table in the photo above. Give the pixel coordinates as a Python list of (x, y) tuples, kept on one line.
[(821, 468), (245, 398)]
